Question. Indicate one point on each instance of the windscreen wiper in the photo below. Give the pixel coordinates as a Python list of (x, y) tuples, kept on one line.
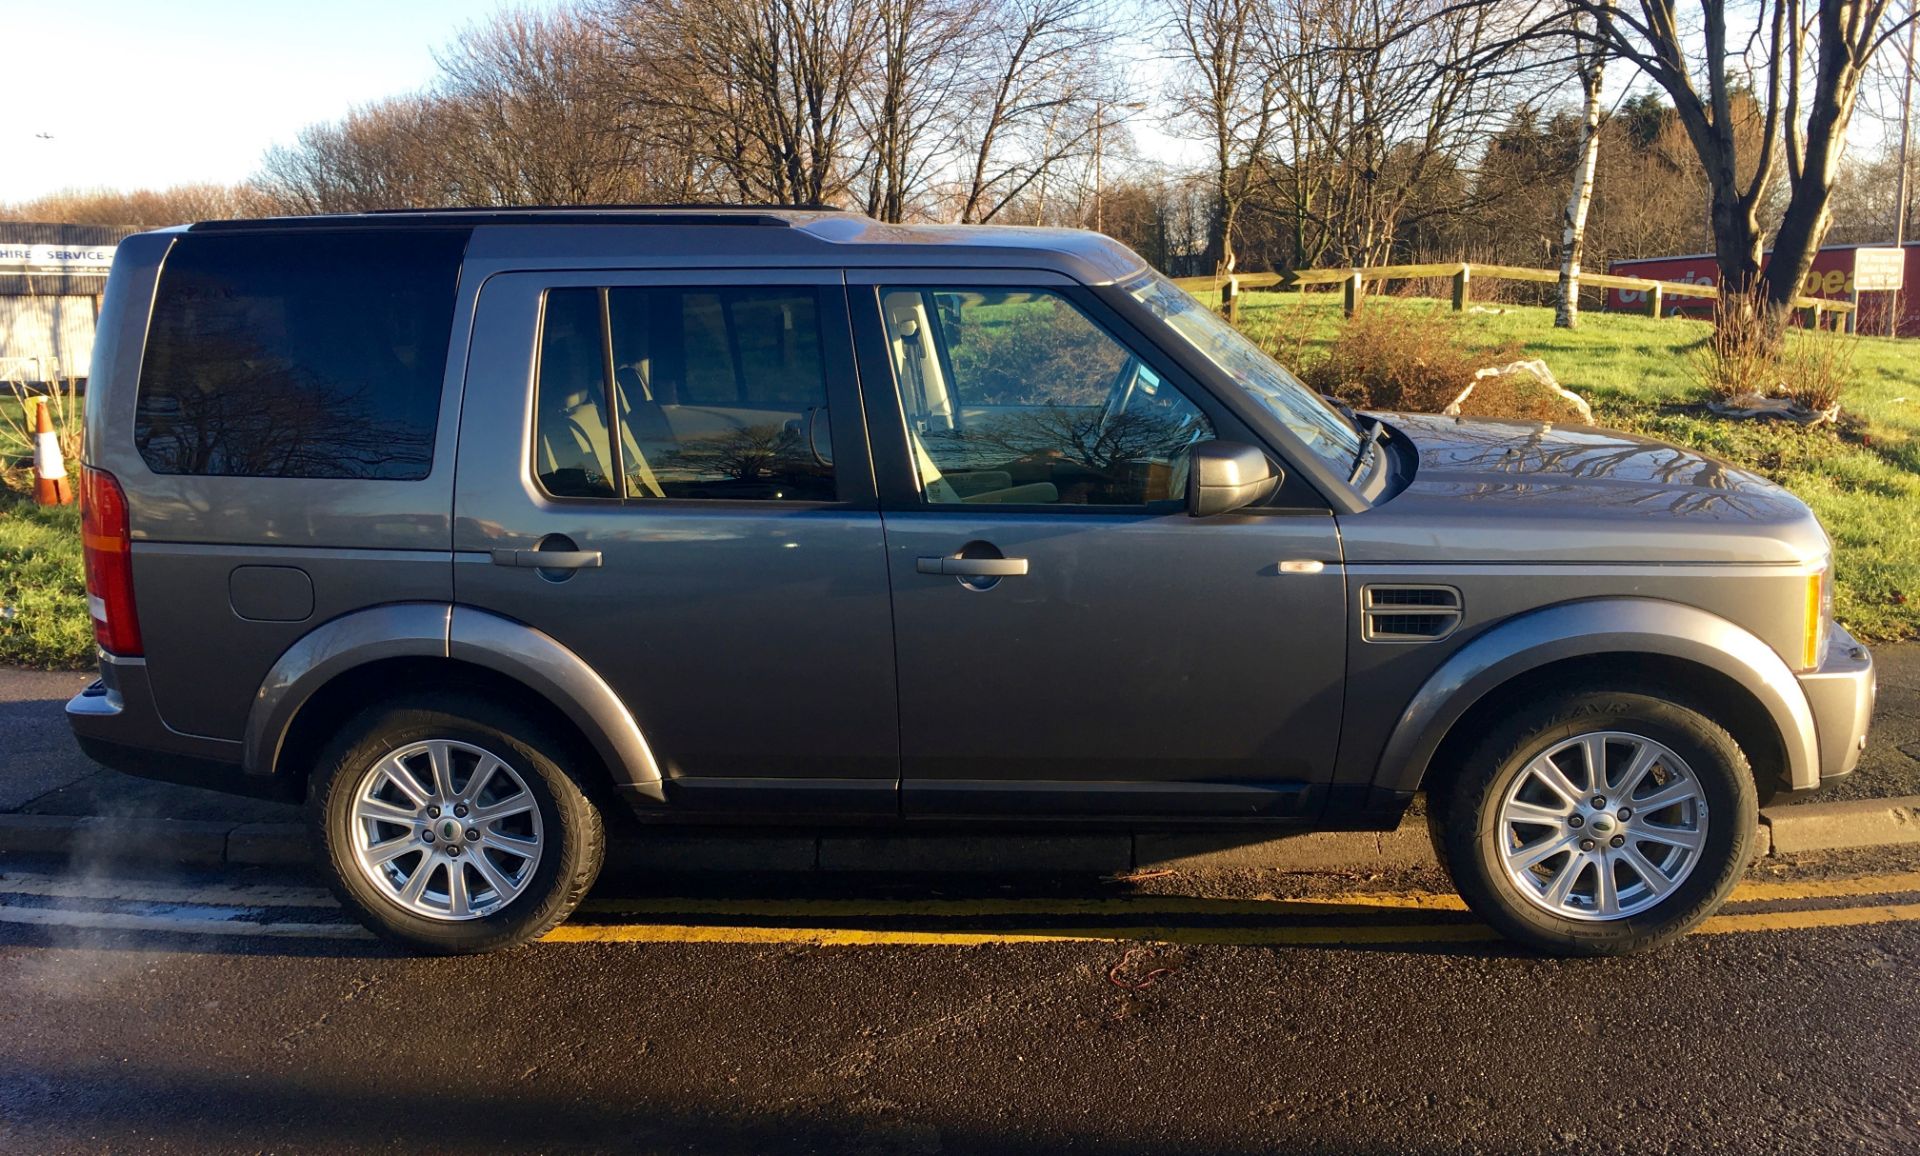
[(1369, 446), (1344, 409)]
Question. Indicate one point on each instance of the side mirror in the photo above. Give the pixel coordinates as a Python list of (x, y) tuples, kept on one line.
[(1225, 476)]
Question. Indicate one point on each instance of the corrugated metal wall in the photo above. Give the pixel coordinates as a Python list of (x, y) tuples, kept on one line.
[(55, 284), (46, 320), (45, 337)]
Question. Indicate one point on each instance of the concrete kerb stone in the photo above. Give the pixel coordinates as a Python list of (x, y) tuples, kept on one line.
[(1103, 853), (270, 845), (1840, 826), (1212, 851), (669, 851), (38, 834), (176, 842)]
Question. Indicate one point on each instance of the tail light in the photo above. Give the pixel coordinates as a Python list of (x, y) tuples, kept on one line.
[(107, 544)]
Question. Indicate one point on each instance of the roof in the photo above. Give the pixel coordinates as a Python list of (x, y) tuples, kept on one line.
[(733, 235)]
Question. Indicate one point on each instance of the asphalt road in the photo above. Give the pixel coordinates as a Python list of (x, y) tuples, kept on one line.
[(223, 1012)]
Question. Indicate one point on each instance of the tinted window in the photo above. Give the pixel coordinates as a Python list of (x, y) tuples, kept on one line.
[(1017, 398), (718, 393), (317, 355)]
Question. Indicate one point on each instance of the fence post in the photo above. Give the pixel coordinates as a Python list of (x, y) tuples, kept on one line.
[(1462, 287), (1653, 302), (1230, 298), (1354, 288)]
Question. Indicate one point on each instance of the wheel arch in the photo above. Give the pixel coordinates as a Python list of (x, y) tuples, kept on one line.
[(1707, 661), (362, 657)]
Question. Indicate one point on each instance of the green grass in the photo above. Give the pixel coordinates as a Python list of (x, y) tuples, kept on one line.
[(1862, 479), (43, 602)]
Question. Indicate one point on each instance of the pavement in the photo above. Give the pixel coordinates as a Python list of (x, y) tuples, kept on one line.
[(235, 1010)]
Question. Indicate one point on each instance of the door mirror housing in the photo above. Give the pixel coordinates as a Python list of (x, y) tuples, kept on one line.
[(1224, 476)]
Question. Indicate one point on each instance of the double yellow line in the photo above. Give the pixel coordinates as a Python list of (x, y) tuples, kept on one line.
[(1165, 912)]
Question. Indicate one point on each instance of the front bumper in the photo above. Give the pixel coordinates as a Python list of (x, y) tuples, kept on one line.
[(1840, 694)]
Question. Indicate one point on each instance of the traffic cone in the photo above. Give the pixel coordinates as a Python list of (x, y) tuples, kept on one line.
[(51, 487)]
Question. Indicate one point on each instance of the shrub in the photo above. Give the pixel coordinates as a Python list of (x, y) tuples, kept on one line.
[(1521, 395), (1817, 367), (1748, 361), (1741, 358), (1400, 357)]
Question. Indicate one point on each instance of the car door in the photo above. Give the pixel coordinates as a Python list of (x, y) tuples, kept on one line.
[(1069, 640), (689, 449)]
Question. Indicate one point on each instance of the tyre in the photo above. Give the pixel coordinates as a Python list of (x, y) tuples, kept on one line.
[(449, 825), (1599, 823)]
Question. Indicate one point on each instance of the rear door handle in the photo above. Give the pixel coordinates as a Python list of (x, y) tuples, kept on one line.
[(548, 559), (973, 567)]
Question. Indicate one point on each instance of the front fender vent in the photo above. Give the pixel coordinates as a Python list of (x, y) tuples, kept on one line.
[(1408, 613)]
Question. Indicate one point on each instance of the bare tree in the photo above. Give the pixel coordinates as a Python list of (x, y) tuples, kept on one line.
[(170, 206), (1589, 67), (1804, 64), (393, 153), (1040, 78), (768, 89), (1381, 98), (1230, 91), (924, 63), (532, 94)]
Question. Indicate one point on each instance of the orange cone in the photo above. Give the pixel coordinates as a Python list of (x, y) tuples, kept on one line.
[(51, 487)]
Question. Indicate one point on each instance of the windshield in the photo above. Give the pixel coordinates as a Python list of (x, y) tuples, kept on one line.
[(1301, 410)]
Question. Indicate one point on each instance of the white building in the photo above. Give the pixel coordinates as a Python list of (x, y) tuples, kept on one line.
[(51, 279)]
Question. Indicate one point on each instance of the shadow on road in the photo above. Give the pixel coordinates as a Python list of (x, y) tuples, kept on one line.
[(447, 1105)]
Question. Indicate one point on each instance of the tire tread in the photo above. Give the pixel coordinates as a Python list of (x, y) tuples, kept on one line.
[(1459, 830)]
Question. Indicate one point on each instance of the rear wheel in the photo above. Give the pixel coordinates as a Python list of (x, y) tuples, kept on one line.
[(449, 834), (1600, 823)]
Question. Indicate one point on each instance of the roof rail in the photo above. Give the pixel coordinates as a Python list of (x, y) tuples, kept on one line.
[(776, 216)]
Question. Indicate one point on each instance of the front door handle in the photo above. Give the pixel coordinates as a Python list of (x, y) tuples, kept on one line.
[(548, 559), (973, 567)]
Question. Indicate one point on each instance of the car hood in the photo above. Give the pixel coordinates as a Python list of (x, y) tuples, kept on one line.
[(1520, 491)]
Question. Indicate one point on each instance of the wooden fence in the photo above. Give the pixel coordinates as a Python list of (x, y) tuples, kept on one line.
[(1463, 275)]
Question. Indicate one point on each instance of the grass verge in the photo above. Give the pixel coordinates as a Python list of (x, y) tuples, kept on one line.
[(43, 600), (1862, 477)]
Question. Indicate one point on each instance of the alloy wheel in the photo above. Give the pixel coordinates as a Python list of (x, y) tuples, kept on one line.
[(1602, 826), (446, 830)]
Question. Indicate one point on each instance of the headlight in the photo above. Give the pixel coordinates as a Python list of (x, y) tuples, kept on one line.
[(1819, 613)]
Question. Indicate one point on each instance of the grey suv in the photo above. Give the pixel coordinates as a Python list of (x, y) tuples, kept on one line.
[(466, 527)]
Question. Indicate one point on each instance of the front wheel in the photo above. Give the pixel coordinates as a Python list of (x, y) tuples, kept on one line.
[(1600, 823), (449, 834)]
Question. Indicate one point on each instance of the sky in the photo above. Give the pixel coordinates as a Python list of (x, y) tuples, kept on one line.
[(150, 93)]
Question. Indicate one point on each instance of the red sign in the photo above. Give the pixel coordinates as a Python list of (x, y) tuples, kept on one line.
[(1831, 277)]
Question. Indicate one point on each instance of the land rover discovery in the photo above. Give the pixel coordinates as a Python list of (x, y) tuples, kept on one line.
[(465, 527)]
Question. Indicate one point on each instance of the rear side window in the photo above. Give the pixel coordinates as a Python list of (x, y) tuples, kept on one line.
[(708, 393), (308, 355)]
